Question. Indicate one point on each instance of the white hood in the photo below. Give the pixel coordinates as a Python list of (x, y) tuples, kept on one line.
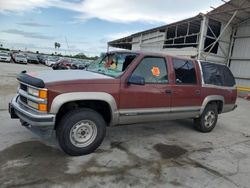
[(66, 75)]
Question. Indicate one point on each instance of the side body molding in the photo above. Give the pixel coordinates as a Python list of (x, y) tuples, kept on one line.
[(77, 96), (211, 98)]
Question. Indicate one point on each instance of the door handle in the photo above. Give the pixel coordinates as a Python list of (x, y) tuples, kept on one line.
[(197, 92), (168, 91)]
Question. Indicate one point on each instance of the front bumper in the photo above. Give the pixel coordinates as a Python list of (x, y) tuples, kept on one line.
[(5, 60), (33, 118), (21, 61), (32, 61)]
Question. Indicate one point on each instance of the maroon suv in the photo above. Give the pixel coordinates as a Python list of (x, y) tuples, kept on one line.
[(122, 88)]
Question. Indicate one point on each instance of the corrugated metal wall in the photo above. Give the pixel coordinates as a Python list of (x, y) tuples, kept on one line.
[(152, 41), (240, 60)]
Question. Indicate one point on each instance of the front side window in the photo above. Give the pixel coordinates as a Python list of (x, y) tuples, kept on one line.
[(153, 70), (184, 71), (112, 64)]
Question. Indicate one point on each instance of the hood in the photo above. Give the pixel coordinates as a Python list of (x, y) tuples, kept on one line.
[(66, 75)]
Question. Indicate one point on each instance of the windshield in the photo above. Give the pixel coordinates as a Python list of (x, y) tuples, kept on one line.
[(21, 56), (53, 58), (112, 64), (3, 54)]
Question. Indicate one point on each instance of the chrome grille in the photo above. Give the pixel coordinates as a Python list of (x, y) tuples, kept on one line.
[(23, 99), (27, 99), (23, 87)]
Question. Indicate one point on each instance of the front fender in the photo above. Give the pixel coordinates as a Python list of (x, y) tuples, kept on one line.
[(79, 96)]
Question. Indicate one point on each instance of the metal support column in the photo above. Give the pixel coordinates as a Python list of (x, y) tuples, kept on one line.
[(108, 47), (230, 52), (202, 34), (140, 42)]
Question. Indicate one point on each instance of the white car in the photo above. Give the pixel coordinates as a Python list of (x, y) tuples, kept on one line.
[(5, 57), (19, 58), (51, 60)]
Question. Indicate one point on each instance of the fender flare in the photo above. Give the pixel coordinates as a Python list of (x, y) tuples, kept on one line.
[(209, 99), (61, 99)]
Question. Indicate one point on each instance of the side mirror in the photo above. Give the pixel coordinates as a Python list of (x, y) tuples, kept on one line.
[(136, 80)]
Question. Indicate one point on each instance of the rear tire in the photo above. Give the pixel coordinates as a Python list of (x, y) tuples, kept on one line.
[(81, 131), (208, 119)]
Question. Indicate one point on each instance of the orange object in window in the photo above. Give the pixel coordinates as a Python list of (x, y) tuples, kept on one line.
[(155, 71)]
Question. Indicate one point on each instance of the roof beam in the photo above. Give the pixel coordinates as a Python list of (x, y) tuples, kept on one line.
[(246, 20), (230, 10), (235, 6), (227, 13), (216, 18), (230, 3)]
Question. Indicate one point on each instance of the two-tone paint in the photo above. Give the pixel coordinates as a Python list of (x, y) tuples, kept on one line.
[(136, 103)]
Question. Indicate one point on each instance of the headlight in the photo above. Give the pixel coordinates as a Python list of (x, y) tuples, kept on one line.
[(33, 91), (41, 93)]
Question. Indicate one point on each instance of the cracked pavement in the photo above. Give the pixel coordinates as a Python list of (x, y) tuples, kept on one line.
[(167, 154)]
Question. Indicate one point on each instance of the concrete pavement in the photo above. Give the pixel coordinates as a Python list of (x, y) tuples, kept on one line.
[(167, 154)]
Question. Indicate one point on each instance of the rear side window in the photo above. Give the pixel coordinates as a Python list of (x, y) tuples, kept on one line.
[(217, 74), (184, 71)]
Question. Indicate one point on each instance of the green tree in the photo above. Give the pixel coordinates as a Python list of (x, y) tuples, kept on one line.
[(57, 45)]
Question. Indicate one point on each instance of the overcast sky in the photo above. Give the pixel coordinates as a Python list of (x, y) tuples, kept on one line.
[(86, 25)]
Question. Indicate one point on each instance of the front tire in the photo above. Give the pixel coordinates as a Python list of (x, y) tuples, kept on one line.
[(208, 119), (81, 132)]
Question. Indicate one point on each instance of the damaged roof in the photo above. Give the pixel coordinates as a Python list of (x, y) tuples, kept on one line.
[(223, 13)]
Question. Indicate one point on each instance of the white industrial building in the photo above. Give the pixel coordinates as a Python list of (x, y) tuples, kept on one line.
[(222, 35)]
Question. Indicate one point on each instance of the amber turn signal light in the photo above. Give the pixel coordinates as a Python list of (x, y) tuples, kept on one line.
[(42, 107), (43, 94)]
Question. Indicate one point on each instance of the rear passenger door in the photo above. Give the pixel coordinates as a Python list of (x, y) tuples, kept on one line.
[(186, 90)]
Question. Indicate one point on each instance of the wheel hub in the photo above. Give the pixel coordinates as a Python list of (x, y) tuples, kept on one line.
[(83, 133), (209, 119)]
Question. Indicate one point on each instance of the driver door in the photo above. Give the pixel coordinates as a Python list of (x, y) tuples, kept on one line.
[(148, 102)]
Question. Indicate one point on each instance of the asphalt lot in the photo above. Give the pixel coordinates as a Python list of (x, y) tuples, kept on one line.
[(169, 154)]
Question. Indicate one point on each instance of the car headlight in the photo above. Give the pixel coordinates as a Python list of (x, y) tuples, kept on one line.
[(32, 91), (40, 93)]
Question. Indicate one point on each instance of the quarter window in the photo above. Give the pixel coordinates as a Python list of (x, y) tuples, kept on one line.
[(153, 70), (184, 71), (217, 74)]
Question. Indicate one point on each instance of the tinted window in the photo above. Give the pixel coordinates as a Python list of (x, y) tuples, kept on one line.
[(153, 70), (184, 71), (217, 74)]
